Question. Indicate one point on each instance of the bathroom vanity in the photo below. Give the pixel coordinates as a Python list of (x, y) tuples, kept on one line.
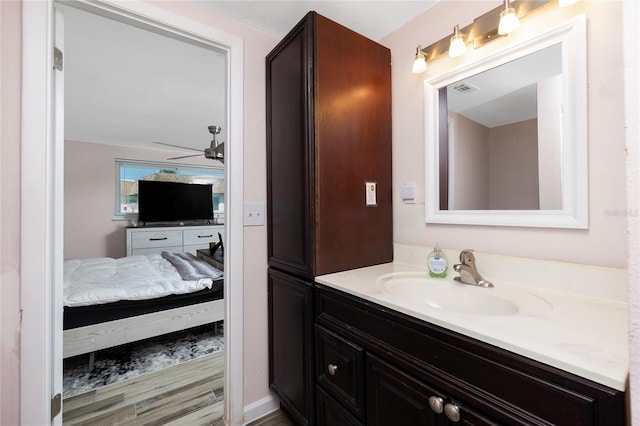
[(381, 361)]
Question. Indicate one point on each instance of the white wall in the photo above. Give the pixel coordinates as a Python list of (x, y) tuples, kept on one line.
[(550, 139), (632, 120), (604, 243)]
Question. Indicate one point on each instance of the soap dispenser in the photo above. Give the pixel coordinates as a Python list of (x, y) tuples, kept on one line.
[(437, 263)]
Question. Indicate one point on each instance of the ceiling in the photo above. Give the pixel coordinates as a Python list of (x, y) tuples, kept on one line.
[(128, 86), (373, 19)]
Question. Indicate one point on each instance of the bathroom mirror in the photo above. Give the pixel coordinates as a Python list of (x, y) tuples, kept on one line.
[(506, 140)]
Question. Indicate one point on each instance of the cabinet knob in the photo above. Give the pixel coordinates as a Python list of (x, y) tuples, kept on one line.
[(452, 411), (332, 369), (436, 403)]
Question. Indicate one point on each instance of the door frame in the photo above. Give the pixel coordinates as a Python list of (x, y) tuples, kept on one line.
[(42, 208)]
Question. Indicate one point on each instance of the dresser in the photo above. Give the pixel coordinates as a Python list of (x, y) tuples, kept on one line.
[(178, 239)]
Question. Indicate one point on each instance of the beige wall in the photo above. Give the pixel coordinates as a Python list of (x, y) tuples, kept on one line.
[(89, 192), (604, 243), (470, 154), (10, 54), (513, 166)]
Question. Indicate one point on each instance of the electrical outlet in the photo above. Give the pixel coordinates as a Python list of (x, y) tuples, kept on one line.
[(253, 214)]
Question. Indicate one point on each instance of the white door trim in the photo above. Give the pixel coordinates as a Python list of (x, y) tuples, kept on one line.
[(39, 171), (36, 214)]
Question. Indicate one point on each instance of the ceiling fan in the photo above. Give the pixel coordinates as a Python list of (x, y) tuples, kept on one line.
[(214, 152)]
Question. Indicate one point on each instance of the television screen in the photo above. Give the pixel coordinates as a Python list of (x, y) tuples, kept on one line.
[(173, 201)]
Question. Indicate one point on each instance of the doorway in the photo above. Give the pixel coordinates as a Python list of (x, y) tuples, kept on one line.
[(37, 336)]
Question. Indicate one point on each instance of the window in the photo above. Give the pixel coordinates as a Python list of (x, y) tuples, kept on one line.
[(129, 172)]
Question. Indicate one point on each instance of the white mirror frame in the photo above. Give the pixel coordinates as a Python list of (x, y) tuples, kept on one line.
[(574, 214)]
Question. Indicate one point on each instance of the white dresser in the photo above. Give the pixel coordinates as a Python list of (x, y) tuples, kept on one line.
[(179, 239)]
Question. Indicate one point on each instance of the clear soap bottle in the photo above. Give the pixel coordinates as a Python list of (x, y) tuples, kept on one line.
[(437, 263)]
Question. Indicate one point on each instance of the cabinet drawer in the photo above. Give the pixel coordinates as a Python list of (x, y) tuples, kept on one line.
[(156, 239), (151, 250), (201, 236), (340, 369)]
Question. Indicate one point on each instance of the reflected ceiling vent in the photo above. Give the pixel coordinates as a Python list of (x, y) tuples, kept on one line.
[(464, 87)]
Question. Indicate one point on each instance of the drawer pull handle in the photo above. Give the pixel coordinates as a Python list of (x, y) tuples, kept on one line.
[(157, 239), (205, 236), (437, 404), (332, 369), (453, 412)]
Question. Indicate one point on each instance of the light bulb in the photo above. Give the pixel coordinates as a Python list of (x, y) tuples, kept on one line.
[(457, 47), (420, 62), (509, 21)]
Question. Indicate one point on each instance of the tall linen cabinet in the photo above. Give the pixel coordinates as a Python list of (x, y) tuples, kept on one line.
[(328, 184)]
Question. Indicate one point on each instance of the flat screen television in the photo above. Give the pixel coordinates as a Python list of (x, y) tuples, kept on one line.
[(173, 201)]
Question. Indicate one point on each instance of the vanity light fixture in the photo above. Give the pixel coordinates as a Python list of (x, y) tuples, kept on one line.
[(509, 21), (457, 46), (420, 62), (490, 26)]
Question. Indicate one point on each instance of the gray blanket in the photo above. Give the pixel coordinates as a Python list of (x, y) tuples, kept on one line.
[(191, 268)]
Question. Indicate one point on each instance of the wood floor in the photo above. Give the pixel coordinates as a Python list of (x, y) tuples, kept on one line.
[(190, 394), (277, 418)]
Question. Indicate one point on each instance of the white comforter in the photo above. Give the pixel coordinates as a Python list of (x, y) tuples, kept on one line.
[(104, 280)]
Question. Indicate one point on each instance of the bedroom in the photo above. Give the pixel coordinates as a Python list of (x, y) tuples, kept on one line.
[(117, 115)]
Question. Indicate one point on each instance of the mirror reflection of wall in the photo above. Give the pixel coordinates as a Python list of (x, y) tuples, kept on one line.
[(504, 136)]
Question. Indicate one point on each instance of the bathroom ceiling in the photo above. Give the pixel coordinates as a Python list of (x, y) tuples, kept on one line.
[(373, 19), (128, 86)]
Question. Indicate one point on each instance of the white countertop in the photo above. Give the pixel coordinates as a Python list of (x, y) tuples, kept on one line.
[(578, 333)]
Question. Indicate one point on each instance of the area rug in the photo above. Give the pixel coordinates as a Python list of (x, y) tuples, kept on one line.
[(131, 360)]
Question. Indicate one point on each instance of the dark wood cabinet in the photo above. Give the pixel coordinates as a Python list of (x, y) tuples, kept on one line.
[(328, 93), (330, 412), (328, 135), (396, 398), (291, 336), (418, 373)]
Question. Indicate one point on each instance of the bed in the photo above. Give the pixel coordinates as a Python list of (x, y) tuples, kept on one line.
[(110, 302)]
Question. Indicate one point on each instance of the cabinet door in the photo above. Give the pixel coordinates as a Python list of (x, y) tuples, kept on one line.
[(289, 164), (394, 398), (291, 344), (331, 413)]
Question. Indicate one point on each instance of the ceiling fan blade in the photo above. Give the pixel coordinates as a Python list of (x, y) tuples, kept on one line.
[(184, 156), (178, 146)]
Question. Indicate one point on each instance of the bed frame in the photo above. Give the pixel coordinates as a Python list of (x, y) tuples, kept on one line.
[(95, 337)]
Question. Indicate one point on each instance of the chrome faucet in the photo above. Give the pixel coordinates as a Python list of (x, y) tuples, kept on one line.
[(467, 270)]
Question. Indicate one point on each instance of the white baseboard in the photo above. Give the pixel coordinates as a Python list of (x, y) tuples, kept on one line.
[(260, 408)]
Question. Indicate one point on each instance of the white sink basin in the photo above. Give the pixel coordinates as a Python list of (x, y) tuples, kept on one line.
[(416, 288)]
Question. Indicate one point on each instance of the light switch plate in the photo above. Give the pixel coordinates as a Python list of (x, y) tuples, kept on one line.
[(370, 191), (253, 214), (409, 193)]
